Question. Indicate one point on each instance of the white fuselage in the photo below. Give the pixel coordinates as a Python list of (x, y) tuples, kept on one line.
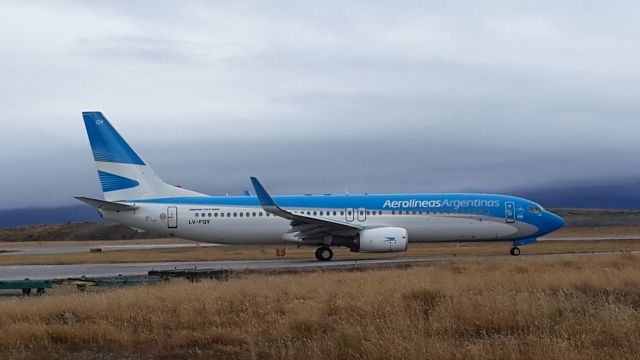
[(252, 225)]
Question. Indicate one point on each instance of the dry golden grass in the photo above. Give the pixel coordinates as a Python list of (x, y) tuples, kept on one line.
[(572, 308), (268, 252)]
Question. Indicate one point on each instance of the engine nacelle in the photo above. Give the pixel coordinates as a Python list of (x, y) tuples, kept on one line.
[(382, 240)]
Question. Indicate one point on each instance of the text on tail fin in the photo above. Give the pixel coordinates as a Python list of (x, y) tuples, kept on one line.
[(107, 145)]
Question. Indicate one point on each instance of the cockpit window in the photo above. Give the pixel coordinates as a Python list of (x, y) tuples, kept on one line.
[(535, 209)]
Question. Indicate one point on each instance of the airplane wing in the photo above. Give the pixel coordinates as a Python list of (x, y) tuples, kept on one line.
[(304, 227)]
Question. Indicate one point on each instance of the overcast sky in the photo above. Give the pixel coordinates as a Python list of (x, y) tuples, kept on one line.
[(318, 97)]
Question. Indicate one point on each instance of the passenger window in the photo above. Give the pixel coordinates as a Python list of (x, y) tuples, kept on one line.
[(248, 214), (197, 214), (393, 212), (254, 214), (321, 213), (368, 212), (241, 214), (334, 213), (341, 212), (215, 214), (209, 215), (260, 214), (235, 214)]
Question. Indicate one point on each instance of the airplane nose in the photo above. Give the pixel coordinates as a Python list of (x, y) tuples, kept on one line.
[(555, 222)]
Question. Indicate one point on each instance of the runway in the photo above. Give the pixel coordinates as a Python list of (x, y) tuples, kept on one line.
[(37, 272), (77, 249)]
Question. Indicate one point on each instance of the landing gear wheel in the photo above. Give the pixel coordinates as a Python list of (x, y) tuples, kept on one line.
[(324, 253), (515, 251)]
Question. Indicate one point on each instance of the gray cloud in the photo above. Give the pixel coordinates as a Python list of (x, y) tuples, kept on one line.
[(419, 96)]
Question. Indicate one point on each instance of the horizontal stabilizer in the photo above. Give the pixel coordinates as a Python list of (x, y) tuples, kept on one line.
[(107, 205)]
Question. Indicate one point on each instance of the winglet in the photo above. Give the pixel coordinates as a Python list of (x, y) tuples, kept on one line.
[(269, 205), (267, 202), (262, 194)]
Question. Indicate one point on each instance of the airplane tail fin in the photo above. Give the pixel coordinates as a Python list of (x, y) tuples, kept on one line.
[(123, 174)]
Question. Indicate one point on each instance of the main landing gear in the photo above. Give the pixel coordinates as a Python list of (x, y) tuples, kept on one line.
[(515, 251), (324, 253)]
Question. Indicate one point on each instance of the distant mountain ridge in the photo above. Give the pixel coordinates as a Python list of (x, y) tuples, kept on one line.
[(83, 231), (611, 195), (52, 215)]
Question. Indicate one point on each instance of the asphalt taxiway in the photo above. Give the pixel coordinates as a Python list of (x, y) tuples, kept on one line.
[(37, 272)]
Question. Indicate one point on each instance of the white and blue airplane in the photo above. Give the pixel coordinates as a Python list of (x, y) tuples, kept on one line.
[(135, 196)]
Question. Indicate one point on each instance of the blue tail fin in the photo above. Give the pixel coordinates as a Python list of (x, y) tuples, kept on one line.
[(107, 145), (123, 175)]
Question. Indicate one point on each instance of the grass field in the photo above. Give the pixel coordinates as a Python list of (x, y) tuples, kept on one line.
[(582, 307)]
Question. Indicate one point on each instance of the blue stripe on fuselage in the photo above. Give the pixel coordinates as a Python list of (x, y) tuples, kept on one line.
[(492, 205)]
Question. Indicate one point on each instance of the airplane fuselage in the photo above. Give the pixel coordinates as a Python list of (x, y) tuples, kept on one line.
[(426, 217)]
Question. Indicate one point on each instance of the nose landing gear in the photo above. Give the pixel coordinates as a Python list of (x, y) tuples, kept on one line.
[(324, 253), (514, 251)]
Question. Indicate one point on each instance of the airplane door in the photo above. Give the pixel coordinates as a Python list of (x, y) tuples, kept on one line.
[(349, 215), (510, 212), (172, 217), (362, 214)]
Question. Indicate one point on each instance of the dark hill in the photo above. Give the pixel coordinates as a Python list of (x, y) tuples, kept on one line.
[(72, 232)]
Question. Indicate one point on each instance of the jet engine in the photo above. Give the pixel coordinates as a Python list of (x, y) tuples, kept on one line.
[(382, 240)]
